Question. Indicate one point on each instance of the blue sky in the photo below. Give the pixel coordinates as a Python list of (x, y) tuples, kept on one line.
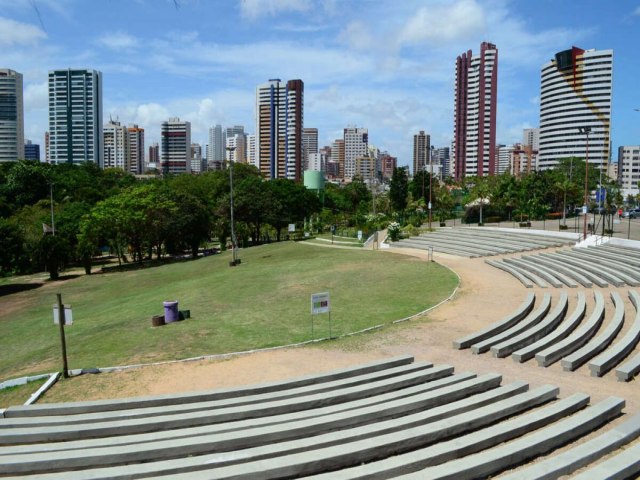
[(384, 65)]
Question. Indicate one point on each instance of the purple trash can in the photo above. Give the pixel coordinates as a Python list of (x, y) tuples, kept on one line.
[(170, 311)]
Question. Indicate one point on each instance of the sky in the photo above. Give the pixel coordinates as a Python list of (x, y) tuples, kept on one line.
[(388, 66)]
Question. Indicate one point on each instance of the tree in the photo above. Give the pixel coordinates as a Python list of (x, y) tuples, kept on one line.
[(53, 252), (481, 191), (399, 189), (13, 258)]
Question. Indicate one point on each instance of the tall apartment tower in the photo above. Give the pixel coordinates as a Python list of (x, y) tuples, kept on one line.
[(251, 150), (356, 144), (279, 124), (309, 143), (196, 158), (421, 151), (154, 153), (11, 116), (217, 143), (575, 92), (31, 151), (531, 138), (237, 148), (175, 147), (475, 112), (136, 149), (75, 116), (116, 146), (337, 156)]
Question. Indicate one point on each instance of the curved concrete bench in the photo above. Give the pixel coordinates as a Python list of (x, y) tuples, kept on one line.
[(552, 261), (561, 332), (421, 246), (550, 269), (280, 395), (532, 319), (625, 464), (543, 240), (72, 408), (604, 275), (509, 269), (577, 339), (629, 369), (603, 268), (542, 273), (525, 273), (527, 337), (485, 464), (610, 256), (582, 455), (395, 397), (356, 452), (627, 266), (618, 351), (500, 326), (602, 341), (585, 273), (480, 440), (181, 420), (462, 244), (365, 423)]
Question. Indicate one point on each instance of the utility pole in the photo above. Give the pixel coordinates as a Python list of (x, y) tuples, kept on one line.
[(61, 322), (234, 244), (586, 131)]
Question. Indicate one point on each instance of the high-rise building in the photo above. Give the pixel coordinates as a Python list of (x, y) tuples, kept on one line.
[(309, 143), (31, 151), (136, 149), (175, 151), (337, 156), (251, 150), (421, 151), (524, 159), (116, 146), (475, 112), (75, 116), (387, 165), (235, 130), (629, 168), (279, 124), (531, 138), (356, 144), (46, 147), (217, 144), (440, 156), (575, 93), (154, 154), (236, 148), (196, 158), (11, 116), (503, 161)]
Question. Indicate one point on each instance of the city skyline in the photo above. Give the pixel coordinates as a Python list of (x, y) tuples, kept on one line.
[(158, 64)]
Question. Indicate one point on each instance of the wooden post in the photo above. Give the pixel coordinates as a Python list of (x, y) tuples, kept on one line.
[(61, 320)]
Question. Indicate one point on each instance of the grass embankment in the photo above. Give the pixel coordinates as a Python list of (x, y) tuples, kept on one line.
[(20, 393), (261, 303)]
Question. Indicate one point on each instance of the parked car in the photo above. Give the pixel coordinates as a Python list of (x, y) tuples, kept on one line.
[(633, 213)]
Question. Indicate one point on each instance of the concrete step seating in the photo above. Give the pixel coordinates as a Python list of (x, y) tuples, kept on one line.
[(601, 265), (434, 424), (473, 242), (551, 336), (518, 272), (529, 321)]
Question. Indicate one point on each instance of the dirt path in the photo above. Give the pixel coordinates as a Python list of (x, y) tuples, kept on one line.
[(485, 295)]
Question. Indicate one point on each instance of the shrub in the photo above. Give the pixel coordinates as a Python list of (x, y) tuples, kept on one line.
[(393, 231), (411, 230), (493, 219)]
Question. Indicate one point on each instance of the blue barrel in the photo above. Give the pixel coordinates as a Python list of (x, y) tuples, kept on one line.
[(170, 311)]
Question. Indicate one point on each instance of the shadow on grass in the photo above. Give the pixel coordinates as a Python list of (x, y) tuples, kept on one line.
[(12, 288)]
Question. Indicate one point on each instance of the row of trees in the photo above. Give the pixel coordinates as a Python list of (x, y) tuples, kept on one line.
[(94, 209)]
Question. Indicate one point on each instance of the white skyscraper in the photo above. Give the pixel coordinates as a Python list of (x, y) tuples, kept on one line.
[(576, 93), (75, 116), (279, 124), (531, 138), (175, 149), (251, 150), (116, 146), (217, 142), (11, 116), (356, 144), (136, 149)]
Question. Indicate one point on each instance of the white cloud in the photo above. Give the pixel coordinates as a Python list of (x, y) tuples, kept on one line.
[(444, 23), (358, 35), (118, 40), (254, 9), (36, 96), (18, 33)]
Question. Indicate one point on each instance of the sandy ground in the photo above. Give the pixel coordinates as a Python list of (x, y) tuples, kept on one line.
[(485, 296)]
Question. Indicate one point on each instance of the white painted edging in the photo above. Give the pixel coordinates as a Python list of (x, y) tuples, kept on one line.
[(53, 378)]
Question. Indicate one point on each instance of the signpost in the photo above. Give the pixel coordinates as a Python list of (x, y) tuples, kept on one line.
[(62, 316), (320, 303)]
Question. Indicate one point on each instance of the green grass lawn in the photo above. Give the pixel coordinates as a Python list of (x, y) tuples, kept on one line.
[(19, 394), (261, 303)]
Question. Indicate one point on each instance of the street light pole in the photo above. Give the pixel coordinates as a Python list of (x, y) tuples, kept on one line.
[(430, 184), (586, 131), (53, 225), (234, 244)]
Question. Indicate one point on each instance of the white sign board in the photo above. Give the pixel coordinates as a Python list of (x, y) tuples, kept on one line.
[(68, 315), (292, 227), (360, 235), (320, 303)]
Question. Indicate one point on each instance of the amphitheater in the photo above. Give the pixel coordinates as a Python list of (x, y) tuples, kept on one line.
[(526, 372)]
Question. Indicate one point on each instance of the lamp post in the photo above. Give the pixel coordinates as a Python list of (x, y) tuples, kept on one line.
[(234, 244), (586, 131), (53, 224), (430, 183)]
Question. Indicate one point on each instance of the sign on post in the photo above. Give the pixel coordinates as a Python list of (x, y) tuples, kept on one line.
[(359, 235), (68, 315), (292, 227), (320, 303)]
